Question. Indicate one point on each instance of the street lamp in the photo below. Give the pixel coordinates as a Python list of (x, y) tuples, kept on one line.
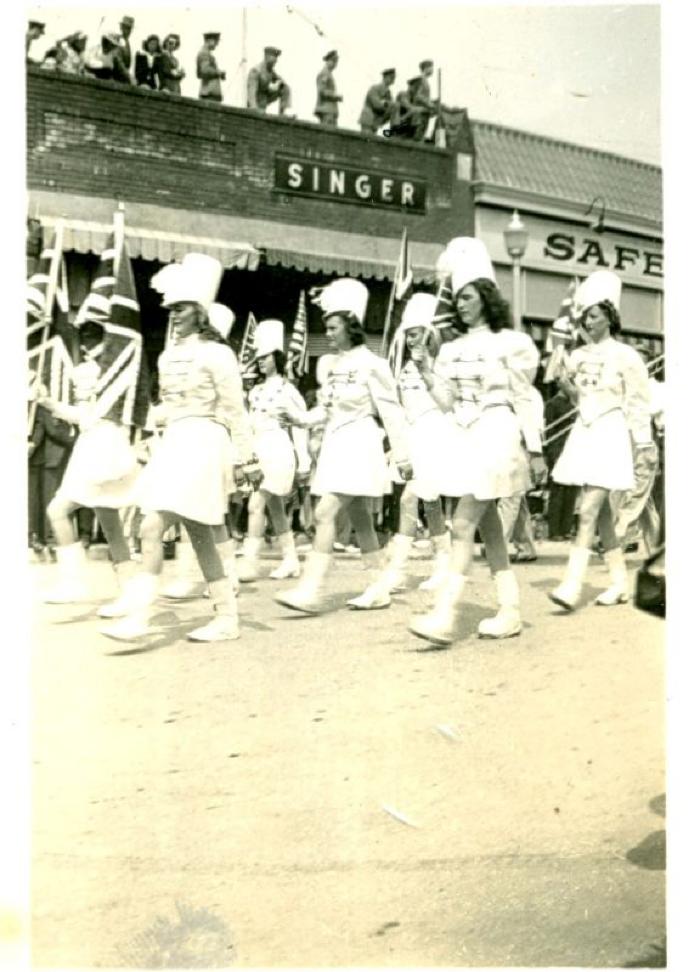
[(515, 237)]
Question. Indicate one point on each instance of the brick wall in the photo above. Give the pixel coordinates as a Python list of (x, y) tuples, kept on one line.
[(97, 138)]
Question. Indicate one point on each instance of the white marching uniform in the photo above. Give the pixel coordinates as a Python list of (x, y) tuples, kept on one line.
[(190, 472), (103, 467), (492, 420), (614, 410), (280, 452), (428, 432), (359, 386)]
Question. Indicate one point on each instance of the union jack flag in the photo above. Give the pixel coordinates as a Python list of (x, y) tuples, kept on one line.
[(123, 393), (298, 343), (52, 345), (247, 355)]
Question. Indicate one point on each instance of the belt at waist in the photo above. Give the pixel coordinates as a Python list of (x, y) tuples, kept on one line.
[(472, 410)]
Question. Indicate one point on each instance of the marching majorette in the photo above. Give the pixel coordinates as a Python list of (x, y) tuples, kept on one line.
[(610, 384), (352, 467), (282, 453), (100, 474), (482, 380), (417, 341), (188, 581), (189, 476)]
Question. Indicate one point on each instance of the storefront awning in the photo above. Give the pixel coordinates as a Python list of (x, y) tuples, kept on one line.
[(166, 234)]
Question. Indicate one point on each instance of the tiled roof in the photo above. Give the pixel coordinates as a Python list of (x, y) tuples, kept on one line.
[(520, 160)]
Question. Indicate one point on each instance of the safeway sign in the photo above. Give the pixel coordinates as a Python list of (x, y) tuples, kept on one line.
[(341, 183)]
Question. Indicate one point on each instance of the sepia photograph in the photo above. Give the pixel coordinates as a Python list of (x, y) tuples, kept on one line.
[(345, 485)]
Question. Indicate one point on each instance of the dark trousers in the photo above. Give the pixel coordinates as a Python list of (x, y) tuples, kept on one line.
[(42, 484), (560, 511)]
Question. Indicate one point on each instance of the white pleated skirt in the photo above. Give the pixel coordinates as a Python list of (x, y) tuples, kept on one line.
[(430, 439), (102, 470), (275, 452), (486, 459), (599, 454), (189, 472), (352, 461)]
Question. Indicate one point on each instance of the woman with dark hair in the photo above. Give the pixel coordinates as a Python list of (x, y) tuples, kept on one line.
[(145, 63), (167, 66), (412, 353), (482, 379), (189, 475), (352, 467), (609, 383), (282, 453)]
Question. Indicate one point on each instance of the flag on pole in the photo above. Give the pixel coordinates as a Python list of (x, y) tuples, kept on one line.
[(297, 352), (401, 290), (123, 392), (445, 311), (247, 355), (52, 345)]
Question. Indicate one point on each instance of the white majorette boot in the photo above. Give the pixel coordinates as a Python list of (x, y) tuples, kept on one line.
[(569, 591), (443, 547), (290, 562), (139, 594), (72, 583), (618, 592), (188, 582), (306, 596), (438, 626), (125, 571), (506, 623), (399, 553), (227, 552), (249, 566), (377, 595), (224, 626)]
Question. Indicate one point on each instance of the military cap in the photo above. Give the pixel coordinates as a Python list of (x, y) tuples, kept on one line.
[(212, 33), (38, 23), (425, 64), (388, 71), (127, 21), (329, 55), (273, 50)]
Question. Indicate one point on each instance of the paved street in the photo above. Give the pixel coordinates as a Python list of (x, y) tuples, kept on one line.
[(327, 792)]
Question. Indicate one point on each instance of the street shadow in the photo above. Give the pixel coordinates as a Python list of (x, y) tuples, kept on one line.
[(653, 958), (650, 853)]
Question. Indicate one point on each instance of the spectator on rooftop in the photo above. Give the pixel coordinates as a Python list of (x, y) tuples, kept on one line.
[(376, 110), (326, 97), (126, 25), (167, 66), (407, 113), (208, 70), (73, 53), (265, 86), (35, 29), (105, 61), (145, 62)]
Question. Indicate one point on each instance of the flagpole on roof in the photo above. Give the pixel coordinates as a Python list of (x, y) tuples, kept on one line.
[(57, 256)]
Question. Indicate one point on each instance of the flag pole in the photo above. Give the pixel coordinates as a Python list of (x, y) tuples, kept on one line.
[(48, 309), (118, 222), (392, 296)]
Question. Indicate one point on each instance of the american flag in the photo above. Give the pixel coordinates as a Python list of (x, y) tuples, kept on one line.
[(298, 343), (247, 355), (400, 292), (123, 392), (52, 344)]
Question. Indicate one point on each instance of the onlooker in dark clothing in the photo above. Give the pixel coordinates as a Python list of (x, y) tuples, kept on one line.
[(126, 25), (562, 499), (208, 70), (105, 61), (35, 29), (422, 99), (376, 110), (168, 68), (407, 114), (145, 63), (49, 448)]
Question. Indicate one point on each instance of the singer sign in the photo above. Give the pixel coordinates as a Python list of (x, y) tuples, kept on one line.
[(341, 183)]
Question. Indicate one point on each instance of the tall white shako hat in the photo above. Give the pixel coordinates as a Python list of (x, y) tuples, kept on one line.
[(221, 319), (601, 285), (418, 312), (344, 295), (464, 260), (268, 338), (196, 279)]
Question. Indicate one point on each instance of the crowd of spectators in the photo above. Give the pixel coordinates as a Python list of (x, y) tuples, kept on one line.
[(155, 65)]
